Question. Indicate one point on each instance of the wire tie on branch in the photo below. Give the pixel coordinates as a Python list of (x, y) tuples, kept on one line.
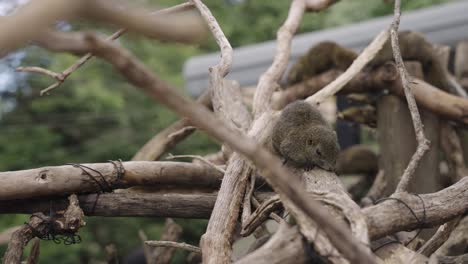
[(420, 222), (51, 234), (119, 168), (105, 187)]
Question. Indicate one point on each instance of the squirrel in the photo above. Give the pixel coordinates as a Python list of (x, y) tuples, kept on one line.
[(304, 139), (320, 58), (413, 46)]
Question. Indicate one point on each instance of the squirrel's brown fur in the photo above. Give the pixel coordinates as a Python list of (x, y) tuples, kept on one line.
[(413, 46), (320, 58), (304, 139)]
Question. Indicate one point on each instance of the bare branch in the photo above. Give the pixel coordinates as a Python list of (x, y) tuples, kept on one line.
[(439, 238), (269, 80), (39, 225), (227, 105), (62, 76), (98, 177), (358, 64), (431, 209), (171, 135), (164, 26), (423, 143), (260, 215), (146, 249), (285, 246), (32, 18), (382, 219), (197, 157), (177, 205), (183, 246), (172, 232)]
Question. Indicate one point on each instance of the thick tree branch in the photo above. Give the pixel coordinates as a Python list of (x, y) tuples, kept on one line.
[(36, 16), (97, 177), (227, 105), (392, 216), (382, 219), (176, 205)]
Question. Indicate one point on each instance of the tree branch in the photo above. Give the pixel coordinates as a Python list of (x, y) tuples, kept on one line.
[(98, 177), (423, 142), (269, 80), (277, 175), (62, 76), (358, 64)]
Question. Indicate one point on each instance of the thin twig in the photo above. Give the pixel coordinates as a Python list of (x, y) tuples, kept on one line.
[(247, 203), (358, 64), (269, 80), (423, 142), (174, 244), (226, 49), (273, 216), (62, 76), (200, 158), (171, 135)]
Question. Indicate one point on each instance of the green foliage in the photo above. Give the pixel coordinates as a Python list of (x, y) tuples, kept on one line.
[(96, 115)]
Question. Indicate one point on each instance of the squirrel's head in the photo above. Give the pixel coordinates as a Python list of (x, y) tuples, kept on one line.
[(316, 145), (321, 146)]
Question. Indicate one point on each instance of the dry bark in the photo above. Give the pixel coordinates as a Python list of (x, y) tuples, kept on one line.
[(438, 208), (39, 225), (66, 179), (285, 246), (228, 106), (126, 204), (439, 238), (383, 218)]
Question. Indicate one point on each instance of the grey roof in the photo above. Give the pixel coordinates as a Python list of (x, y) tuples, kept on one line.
[(445, 24)]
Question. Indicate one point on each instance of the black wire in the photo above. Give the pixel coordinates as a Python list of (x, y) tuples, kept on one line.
[(50, 233), (419, 222), (104, 186)]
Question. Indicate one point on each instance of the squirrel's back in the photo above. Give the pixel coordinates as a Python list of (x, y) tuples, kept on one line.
[(295, 115)]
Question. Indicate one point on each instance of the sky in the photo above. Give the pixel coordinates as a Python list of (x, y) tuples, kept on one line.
[(8, 77)]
